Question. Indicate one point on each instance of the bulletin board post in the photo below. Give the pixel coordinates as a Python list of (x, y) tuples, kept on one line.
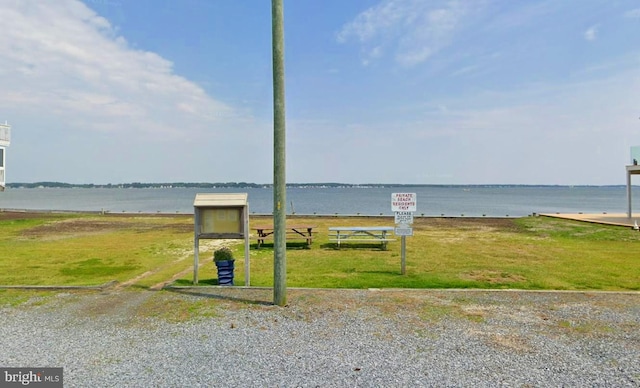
[(221, 216)]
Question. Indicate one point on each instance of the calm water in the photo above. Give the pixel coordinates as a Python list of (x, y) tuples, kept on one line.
[(432, 201)]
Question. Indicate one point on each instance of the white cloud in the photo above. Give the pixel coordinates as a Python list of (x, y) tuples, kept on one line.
[(546, 133), (591, 33), (86, 104), (70, 63), (416, 29)]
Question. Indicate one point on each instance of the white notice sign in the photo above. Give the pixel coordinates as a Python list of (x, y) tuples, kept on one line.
[(404, 202), (403, 230), (404, 218)]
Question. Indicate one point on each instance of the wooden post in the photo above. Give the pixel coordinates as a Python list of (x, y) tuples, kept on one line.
[(629, 213), (247, 258), (279, 179), (196, 245), (403, 251)]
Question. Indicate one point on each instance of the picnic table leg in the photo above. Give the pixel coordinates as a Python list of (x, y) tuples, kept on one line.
[(261, 236)]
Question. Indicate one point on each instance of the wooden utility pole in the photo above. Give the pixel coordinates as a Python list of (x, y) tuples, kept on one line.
[(279, 160)]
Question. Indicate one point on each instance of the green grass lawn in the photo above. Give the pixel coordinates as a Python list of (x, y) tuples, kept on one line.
[(523, 253), (80, 249)]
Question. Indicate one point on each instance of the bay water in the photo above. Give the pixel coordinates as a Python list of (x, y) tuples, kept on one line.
[(449, 201)]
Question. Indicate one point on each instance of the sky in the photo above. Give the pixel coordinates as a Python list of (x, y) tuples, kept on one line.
[(377, 91)]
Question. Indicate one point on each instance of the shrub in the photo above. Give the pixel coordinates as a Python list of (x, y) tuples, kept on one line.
[(222, 254)]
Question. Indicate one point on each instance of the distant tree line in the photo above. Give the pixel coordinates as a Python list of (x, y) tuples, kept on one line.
[(133, 185), (209, 185), (142, 185), (200, 185)]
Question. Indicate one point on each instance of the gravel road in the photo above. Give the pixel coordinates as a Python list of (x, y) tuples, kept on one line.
[(328, 338)]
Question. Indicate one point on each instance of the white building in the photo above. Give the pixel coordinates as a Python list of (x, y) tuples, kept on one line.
[(5, 139)]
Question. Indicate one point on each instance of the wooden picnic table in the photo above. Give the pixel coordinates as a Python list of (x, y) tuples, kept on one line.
[(299, 232), (341, 234)]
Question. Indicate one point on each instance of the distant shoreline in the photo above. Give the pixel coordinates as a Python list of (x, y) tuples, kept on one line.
[(36, 212), (225, 185)]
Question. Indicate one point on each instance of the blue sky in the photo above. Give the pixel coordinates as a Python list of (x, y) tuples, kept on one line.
[(389, 91)]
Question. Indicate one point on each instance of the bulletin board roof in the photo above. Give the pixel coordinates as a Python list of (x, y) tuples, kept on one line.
[(220, 200)]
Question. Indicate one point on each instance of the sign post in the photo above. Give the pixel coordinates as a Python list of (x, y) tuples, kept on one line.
[(403, 204)]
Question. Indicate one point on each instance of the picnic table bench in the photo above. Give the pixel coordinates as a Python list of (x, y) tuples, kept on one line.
[(341, 234), (294, 232)]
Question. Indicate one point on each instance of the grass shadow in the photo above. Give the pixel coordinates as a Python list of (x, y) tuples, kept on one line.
[(187, 283), (220, 294), (359, 246), (290, 245)]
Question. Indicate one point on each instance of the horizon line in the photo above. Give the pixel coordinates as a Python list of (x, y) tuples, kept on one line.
[(253, 184)]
